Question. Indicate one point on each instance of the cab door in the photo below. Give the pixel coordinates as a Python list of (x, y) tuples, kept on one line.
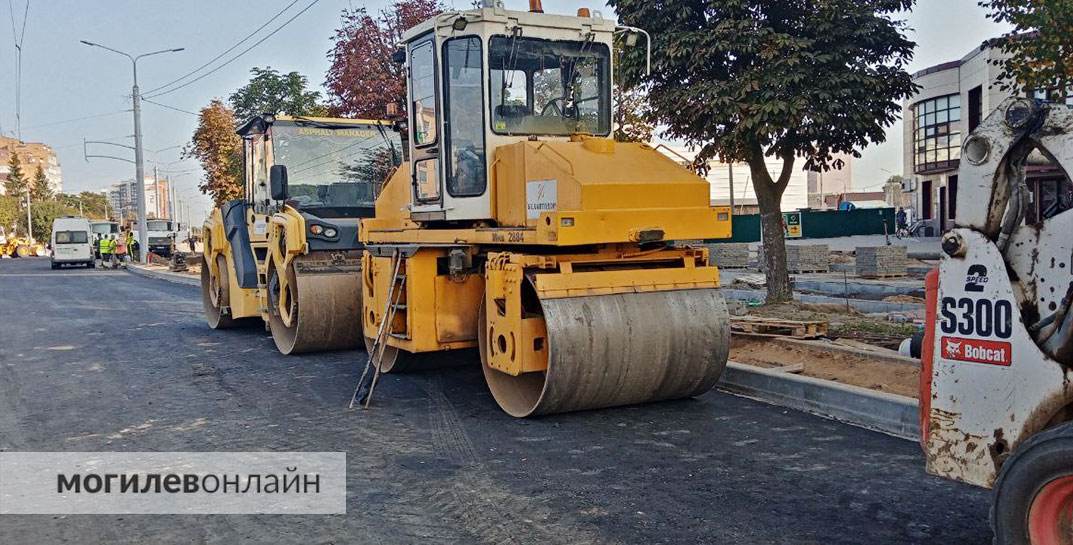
[(256, 153), (425, 138)]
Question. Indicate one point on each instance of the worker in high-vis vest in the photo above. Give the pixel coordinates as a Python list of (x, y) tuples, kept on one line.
[(132, 246), (107, 249)]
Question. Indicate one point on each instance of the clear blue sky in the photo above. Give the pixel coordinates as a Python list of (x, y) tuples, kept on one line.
[(63, 79)]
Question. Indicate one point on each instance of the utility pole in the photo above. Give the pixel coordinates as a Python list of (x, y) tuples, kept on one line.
[(29, 218), (139, 165), (730, 172)]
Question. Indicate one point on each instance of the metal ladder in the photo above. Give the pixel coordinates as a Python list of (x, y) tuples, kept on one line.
[(363, 392)]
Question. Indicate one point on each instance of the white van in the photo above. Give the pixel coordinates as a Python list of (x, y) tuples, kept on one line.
[(72, 242)]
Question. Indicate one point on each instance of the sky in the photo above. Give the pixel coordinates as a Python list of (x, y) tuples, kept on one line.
[(72, 92)]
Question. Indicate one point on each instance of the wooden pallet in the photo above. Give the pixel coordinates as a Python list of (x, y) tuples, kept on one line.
[(774, 327)]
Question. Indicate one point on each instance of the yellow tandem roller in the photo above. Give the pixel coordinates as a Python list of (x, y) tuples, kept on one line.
[(288, 252), (519, 227)]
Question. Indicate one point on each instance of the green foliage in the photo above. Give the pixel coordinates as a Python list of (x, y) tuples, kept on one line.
[(10, 209), (633, 116), (809, 78), (1039, 49), (40, 189), (271, 92), (43, 213), (15, 184), (94, 205)]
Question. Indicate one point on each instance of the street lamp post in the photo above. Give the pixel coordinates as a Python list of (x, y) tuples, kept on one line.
[(139, 165)]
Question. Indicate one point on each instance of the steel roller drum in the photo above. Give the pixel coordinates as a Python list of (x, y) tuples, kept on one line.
[(610, 350), (321, 309)]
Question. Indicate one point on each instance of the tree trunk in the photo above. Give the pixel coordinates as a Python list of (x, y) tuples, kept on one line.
[(769, 197)]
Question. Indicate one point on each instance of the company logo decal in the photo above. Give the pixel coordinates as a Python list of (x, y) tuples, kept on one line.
[(977, 351)]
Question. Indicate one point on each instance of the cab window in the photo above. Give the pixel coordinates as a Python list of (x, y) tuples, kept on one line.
[(464, 111), (423, 77), (565, 89)]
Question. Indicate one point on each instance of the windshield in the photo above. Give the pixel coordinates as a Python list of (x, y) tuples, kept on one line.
[(105, 228), (335, 168), (550, 88), (72, 237), (158, 225)]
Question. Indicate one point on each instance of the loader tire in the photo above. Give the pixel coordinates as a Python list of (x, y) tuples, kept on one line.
[(1033, 496)]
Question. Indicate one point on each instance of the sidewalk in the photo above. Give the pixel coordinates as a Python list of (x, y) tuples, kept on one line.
[(160, 272)]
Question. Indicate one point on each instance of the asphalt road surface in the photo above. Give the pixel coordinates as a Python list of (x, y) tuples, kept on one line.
[(108, 361)]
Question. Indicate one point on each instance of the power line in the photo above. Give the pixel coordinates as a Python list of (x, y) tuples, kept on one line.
[(170, 107), (72, 120), (232, 59), (240, 42)]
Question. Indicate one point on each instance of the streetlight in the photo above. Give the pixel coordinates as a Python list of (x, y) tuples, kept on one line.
[(139, 166)]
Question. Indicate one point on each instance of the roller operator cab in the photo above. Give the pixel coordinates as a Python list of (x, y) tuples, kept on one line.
[(996, 393), (519, 227), (288, 251)]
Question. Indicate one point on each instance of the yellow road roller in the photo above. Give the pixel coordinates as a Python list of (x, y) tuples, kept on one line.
[(288, 252), (519, 227)]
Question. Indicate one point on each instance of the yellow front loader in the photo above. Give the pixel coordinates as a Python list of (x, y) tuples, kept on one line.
[(288, 252), (16, 246), (518, 227)]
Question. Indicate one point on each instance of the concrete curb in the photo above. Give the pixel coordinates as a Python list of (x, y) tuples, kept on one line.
[(167, 276), (878, 411)]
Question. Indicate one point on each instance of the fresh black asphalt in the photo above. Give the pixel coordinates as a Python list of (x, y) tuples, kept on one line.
[(96, 360)]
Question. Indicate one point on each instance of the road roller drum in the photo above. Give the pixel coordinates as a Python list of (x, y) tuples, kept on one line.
[(620, 349), (315, 302)]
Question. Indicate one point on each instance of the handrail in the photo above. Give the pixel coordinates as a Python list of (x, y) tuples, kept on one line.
[(564, 158)]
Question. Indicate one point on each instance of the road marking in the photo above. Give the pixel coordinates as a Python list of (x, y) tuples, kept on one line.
[(68, 275)]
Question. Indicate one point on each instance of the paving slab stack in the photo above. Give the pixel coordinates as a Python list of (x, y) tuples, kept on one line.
[(882, 261), (732, 255), (805, 258)]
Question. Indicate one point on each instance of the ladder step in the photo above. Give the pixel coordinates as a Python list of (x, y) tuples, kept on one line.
[(399, 306), (402, 336)]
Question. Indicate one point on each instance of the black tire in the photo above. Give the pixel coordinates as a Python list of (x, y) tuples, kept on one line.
[(54, 266), (90, 264), (1042, 460)]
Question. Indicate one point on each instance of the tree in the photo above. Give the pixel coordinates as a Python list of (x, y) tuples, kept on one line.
[(363, 79), (744, 80), (92, 205), (40, 190), (271, 92), (10, 211), (219, 150), (633, 116), (43, 213), (15, 183), (1039, 49)]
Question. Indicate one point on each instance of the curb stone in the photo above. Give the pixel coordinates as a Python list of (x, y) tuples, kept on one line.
[(891, 414), (177, 278)]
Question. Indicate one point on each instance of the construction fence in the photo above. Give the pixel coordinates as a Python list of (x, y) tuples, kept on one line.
[(807, 224)]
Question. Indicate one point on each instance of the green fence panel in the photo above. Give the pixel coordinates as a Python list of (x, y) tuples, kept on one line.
[(821, 224)]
